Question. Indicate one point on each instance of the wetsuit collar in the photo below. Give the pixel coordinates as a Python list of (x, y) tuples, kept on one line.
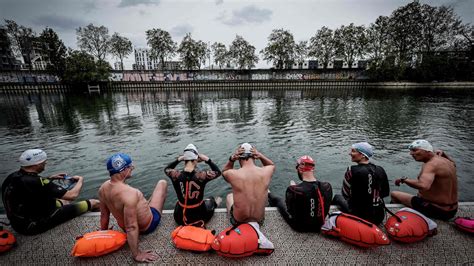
[(28, 173)]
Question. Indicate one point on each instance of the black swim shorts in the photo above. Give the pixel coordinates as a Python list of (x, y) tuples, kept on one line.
[(428, 209)]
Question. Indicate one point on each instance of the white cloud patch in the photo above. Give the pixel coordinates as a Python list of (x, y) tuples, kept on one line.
[(127, 3), (181, 30), (246, 15), (59, 22)]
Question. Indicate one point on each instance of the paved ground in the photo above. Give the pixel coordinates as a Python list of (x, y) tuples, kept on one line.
[(450, 246)]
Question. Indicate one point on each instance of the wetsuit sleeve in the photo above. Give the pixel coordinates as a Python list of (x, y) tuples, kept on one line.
[(385, 188), (290, 199), (170, 171), (326, 190), (214, 173), (51, 189), (346, 184)]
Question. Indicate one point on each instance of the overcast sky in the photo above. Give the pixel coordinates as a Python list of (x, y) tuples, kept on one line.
[(206, 20)]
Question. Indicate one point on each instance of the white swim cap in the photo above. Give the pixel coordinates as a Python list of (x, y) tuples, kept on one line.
[(190, 153), (247, 153), (32, 157), (421, 144)]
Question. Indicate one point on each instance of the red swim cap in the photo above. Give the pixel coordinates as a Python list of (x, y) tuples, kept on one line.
[(305, 163)]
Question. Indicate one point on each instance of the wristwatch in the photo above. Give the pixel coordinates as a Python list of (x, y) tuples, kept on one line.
[(402, 180)]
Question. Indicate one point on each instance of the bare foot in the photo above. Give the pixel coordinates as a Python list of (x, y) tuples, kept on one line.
[(95, 205), (218, 201)]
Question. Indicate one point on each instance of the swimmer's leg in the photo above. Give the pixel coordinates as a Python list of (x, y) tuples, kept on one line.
[(157, 199)]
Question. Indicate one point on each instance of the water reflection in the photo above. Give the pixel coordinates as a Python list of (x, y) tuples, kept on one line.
[(80, 131)]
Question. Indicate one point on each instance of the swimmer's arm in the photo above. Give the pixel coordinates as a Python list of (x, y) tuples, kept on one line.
[(104, 216), (131, 223), (170, 171), (74, 192), (424, 180), (215, 171)]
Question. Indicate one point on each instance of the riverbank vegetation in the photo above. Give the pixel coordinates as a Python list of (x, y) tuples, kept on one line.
[(416, 42)]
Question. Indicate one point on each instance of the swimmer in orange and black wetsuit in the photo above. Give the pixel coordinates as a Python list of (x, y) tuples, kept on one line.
[(191, 207)]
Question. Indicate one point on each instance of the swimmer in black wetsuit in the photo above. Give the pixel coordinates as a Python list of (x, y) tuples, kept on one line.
[(307, 204), (35, 204), (192, 210)]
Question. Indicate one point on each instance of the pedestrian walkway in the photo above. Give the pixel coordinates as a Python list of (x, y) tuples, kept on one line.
[(450, 246)]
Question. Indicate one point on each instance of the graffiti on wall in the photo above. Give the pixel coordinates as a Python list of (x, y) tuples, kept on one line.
[(157, 76)]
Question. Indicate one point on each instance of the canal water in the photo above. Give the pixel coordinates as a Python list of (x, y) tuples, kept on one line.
[(79, 131)]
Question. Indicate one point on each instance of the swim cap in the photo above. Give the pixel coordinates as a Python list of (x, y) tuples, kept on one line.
[(365, 148), (305, 163), (421, 144), (118, 162), (190, 153), (32, 157), (247, 153)]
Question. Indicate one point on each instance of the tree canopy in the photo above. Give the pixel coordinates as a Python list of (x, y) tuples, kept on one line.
[(161, 43), (94, 40), (120, 47)]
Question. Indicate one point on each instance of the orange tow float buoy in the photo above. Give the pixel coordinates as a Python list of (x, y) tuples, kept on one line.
[(354, 230), (7, 240), (98, 243)]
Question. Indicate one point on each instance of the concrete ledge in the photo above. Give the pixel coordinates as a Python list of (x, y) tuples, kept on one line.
[(450, 246)]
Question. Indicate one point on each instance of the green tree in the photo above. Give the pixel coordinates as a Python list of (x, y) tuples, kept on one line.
[(221, 55), (439, 26), (81, 69), (405, 27), (120, 47), (322, 46), (350, 42), (188, 51), (377, 40), (94, 40), (280, 49), (242, 53), (22, 39), (162, 45), (301, 51), (55, 51)]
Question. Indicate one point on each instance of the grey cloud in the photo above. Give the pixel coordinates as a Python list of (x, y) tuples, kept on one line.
[(219, 2), (59, 22), (181, 30), (248, 14), (126, 3), (88, 5)]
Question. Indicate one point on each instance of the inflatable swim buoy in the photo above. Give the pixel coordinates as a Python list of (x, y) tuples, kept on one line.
[(7, 240), (465, 223), (354, 230), (242, 241), (98, 243), (409, 226), (192, 238)]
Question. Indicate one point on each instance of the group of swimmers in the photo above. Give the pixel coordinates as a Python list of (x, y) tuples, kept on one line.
[(35, 204)]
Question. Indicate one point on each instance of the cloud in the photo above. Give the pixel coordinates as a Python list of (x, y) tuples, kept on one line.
[(88, 5), (126, 3), (181, 30), (59, 22), (219, 2), (246, 15)]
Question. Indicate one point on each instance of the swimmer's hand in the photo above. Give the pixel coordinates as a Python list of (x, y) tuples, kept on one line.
[(255, 154), (145, 256), (181, 158), (202, 158), (58, 176), (400, 181)]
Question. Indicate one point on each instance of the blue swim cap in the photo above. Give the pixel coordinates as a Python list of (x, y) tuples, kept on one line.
[(118, 162)]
